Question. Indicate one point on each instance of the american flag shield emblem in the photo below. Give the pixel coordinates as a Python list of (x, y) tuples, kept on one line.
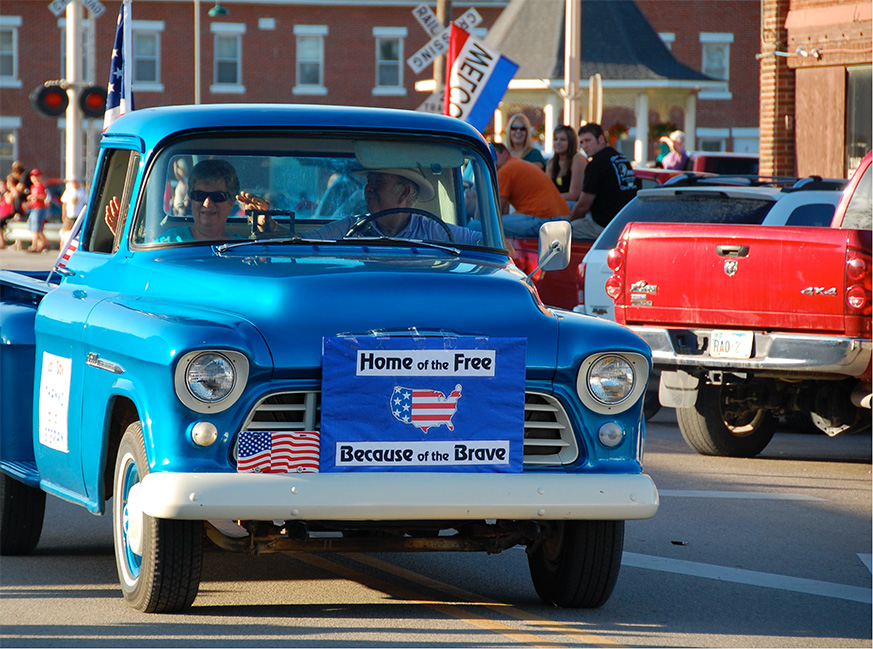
[(278, 452)]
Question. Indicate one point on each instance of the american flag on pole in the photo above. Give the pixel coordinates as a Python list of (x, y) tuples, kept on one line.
[(278, 452), (425, 409), (119, 95), (72, 244)]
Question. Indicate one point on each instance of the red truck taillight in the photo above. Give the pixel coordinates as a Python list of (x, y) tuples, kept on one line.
[(580, 283), (615, 261), (858, 283)]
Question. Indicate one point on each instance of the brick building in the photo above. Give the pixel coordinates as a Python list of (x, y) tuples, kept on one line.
[(328, 52), (815, 86)]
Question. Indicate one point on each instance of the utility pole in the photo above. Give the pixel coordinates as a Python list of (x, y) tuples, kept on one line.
[(73, 166), (444, 16), (572, 58)]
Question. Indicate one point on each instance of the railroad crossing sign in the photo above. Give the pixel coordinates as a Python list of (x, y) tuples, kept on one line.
[(439, 44), (57, 7)]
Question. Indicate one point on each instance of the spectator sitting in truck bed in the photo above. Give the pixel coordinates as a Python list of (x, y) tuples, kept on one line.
[(608, 186), (529, 190)]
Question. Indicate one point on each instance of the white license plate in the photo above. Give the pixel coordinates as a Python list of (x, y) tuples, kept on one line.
[(731, 344)]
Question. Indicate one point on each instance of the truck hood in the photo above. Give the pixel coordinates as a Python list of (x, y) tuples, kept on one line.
[(295, 301)]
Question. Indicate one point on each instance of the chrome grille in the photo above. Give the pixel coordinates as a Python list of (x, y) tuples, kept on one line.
[(548, 435)]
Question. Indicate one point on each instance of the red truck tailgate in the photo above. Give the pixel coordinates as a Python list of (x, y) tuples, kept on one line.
[(750, 277)]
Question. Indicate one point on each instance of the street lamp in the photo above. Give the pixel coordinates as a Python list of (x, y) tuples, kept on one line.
[(217, 10)]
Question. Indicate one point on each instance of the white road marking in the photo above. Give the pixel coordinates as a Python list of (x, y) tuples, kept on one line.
[(750, 577), (748, 495), (867, 560)]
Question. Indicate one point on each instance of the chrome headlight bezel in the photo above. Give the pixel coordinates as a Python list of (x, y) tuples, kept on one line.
[(239, 365), (639, 366)]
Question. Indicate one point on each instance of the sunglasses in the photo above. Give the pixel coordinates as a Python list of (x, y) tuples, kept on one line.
[(216, 197), (518, 128)]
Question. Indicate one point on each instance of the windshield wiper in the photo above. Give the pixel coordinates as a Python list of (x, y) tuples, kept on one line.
[(406, 242)]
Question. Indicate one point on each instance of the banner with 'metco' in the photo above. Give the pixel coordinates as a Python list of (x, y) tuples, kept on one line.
[(422, 404)]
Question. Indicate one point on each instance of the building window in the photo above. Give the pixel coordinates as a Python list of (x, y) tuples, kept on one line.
[(715, 62), (8, 141), (9, 51), (859, 134), (227, 77), (310, 59), (668, 38), (147, 54), (389, 60)]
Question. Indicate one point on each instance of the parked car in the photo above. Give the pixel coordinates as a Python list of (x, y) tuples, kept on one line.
[(690, 198)]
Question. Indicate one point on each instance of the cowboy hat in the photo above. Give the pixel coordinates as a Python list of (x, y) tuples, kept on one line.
[(425, 188)]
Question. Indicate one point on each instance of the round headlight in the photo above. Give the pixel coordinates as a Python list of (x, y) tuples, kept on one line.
[(611, 379), (210, 377)]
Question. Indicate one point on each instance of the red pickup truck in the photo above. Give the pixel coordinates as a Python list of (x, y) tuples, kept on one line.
[(750, 323)]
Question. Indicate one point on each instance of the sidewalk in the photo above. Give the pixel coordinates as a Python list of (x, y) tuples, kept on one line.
[(22, 260)]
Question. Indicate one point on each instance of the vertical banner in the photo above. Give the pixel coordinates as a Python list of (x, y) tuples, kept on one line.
[(477, 79), (422, 404)]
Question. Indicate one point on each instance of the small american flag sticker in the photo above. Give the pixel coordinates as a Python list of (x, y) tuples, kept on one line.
[(278, 452)]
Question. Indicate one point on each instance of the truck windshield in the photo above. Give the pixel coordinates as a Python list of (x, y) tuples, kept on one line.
[(244, 187), (697, 208)]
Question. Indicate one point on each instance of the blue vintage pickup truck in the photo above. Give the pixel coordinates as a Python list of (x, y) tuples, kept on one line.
[(298, 329)]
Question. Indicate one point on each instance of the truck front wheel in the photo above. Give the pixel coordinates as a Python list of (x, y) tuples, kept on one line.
[(719, 425), (158, 560), (22, 509), (577, 564)]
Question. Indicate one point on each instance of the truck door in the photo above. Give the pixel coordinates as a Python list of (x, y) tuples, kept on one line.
[(61, 443)]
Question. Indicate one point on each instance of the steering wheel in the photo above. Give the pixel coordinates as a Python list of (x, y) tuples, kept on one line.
[(364, 219)]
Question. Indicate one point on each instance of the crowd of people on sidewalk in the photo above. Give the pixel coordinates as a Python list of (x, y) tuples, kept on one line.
[(586, 182), (25, 198)]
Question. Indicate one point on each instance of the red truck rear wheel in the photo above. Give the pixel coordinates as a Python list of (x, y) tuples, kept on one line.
[(715, 425)]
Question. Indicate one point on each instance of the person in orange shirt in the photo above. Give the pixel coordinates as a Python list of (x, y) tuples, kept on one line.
[(530, 191)]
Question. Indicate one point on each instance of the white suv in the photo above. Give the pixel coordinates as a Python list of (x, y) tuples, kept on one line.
[(710, 199)]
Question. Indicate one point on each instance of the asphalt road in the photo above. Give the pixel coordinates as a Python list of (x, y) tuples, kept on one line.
[(768, 552)]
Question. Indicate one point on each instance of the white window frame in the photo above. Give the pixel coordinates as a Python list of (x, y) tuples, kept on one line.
[(668, 38), (227, 30), (12, 24), (140, 28), (396, 34), (716, 136), (310, 31), (12, 124), (723, 39), (747, 139)]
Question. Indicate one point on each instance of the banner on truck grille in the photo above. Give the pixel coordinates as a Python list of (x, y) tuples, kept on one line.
[(422, 404)]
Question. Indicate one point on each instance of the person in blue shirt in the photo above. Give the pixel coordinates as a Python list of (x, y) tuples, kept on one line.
[(395, 189)]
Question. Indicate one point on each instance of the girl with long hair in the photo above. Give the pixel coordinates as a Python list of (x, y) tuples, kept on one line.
[(567, 166), (520, 142)]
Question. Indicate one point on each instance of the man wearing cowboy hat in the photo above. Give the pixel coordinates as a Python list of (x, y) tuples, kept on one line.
[(398, 188)]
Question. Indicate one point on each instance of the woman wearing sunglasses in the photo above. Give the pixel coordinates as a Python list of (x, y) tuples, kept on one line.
[(521, 140), (214, 191)]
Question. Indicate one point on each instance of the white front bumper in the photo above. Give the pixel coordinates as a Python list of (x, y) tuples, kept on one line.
[(397, 496)]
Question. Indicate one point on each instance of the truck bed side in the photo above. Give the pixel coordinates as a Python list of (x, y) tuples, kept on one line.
[(20, 294)]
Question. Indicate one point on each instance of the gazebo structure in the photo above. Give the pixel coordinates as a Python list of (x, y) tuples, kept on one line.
[(637, 69)]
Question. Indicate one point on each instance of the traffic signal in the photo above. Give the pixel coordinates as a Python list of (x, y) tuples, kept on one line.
[(51, 101), (92, 101)]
